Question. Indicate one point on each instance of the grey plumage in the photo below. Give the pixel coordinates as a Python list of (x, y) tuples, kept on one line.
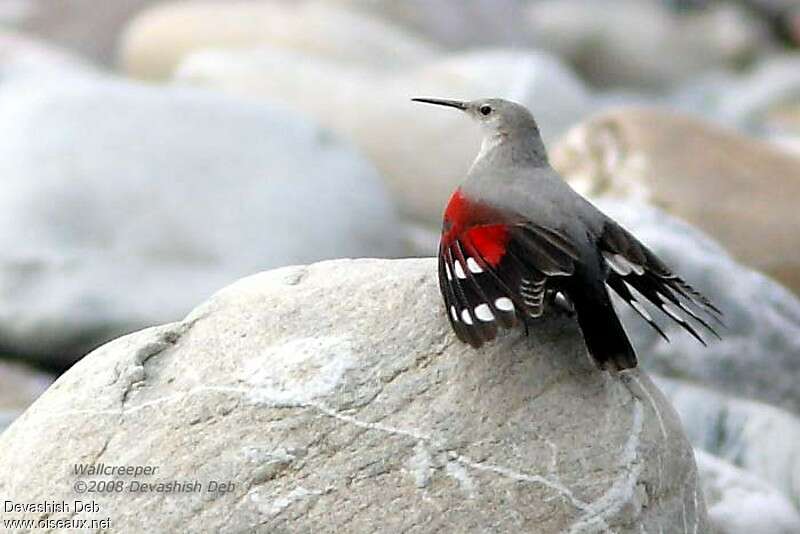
[(515, 232)]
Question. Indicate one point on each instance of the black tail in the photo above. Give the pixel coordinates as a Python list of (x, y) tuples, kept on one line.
[(605, 338)]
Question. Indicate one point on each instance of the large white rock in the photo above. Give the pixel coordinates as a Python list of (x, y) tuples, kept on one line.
[(335, 398), (159, 38), (757, 356), (121, 205), (423, 151), (740, 503), (739, 190), (757, 437)]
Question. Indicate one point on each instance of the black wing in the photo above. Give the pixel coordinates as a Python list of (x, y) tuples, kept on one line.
[(634, 271), (486, 284)]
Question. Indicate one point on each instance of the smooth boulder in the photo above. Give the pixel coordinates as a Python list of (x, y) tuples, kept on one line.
[(642, 43), (759, 438), (86, 27), (157, 40), (335, 397), (762, 100), (423, 151), (122, 205), (739, 190), (740, 503)]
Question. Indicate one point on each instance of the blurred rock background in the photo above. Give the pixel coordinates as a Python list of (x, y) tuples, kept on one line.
[(155, 151)]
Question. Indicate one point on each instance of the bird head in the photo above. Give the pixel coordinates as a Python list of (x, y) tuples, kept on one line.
[(495, 115)]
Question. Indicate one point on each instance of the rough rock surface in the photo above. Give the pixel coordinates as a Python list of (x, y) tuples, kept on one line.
[(159, 38), (423, 151), (740, 191), (757, 356), (170, 194), (335, 398), (19, 387), (740, 503), (757, 437)]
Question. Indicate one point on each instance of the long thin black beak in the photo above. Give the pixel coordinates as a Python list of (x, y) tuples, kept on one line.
[(442, 102)]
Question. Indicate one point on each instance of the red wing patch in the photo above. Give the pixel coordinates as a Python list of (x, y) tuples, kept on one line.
[(488, 241), (494, 274)]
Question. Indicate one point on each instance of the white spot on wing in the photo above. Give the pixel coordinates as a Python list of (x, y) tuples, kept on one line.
[(622, 265), (672, 311), (622, 268), (504, 304), (449, 274), (627, 264), (639, 308), (484, 313), (453, 313), (465, 316), (473, 266), (635, 267), (459, 270)]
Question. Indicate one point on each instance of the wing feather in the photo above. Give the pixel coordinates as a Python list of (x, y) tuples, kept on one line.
[(487, 294), (633, 265)]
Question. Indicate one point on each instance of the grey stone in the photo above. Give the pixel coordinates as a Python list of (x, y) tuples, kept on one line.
[(740, 503), (754, 436), (759, 101), (87, 27), (639, 43), (335, 398), (122, 205), (737, 189)]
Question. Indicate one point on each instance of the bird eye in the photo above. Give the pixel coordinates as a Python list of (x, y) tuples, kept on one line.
[(485, 110)]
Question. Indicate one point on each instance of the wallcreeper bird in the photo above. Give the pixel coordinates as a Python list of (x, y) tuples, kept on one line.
[(517, 238)]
